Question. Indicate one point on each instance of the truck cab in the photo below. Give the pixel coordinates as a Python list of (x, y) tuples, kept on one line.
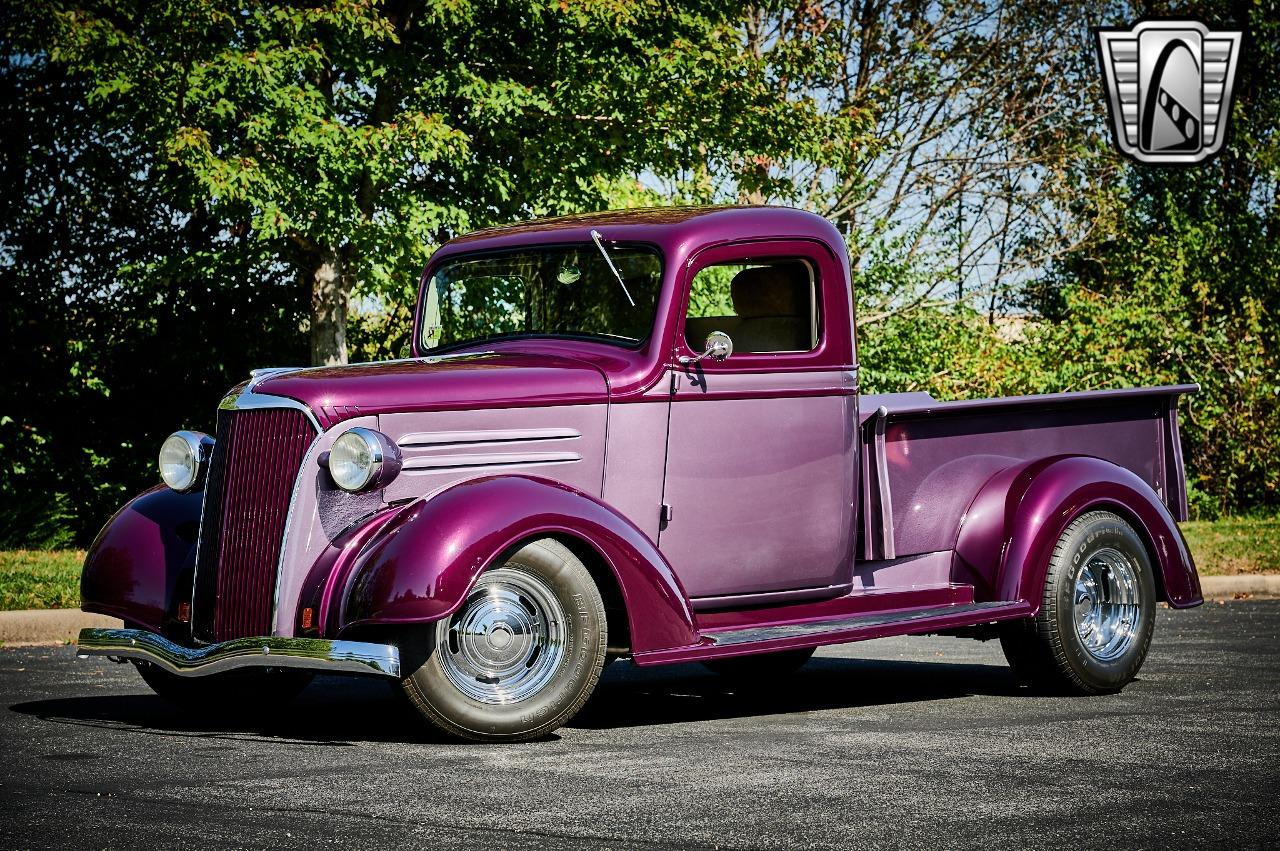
[(635, 434)]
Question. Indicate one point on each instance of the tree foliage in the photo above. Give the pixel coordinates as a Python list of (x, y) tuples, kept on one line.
[(351, 137), (192, 188)]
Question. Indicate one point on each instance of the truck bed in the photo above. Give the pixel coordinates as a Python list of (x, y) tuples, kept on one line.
[(923, 461)]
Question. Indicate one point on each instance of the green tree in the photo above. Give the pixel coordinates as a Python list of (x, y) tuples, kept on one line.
[(122, 316), (351, 137)]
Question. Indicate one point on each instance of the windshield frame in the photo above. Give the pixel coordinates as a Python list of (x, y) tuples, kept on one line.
[(419, 317)]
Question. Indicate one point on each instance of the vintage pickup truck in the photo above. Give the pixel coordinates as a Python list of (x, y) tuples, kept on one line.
[(634, 434)]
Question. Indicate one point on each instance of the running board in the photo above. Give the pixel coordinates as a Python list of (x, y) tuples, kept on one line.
[(796, 630), (811, 633)]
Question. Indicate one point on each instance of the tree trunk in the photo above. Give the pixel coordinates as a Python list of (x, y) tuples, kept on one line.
[(330, 293)]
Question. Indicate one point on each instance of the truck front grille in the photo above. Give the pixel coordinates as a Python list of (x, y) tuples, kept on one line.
[(251, 474)]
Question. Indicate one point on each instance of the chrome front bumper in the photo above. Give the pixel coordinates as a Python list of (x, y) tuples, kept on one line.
[(334, 657)]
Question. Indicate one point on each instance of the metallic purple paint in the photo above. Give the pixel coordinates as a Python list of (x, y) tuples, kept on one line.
[(924, 460), (490, 379), (945, 618), (139, 567), (329, 578), (422, 570), (305, 539), (1011, 528), (442, 448), (781, 488), (633, 477), (679, 234), (762, 491)]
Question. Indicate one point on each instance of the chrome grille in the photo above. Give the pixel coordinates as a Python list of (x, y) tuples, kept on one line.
[(251, 474)]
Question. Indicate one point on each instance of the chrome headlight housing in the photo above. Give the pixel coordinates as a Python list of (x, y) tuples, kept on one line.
[(183, 457), (363, 459)]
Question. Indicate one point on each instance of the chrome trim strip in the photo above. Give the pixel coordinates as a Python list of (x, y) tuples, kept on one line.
[(204, 504), (888, 550), (317, 654), (739, 601), (262, 374), (246, 401), (435, 358), (299, 481), (428, 463), (485, 435)]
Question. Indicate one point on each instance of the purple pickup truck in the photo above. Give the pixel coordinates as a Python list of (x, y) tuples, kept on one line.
[(634, 435)]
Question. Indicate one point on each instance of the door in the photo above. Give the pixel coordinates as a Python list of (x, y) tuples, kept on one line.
[(761, 450)]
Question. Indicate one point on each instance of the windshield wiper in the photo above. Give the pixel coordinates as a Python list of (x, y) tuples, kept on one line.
[(598, 240)]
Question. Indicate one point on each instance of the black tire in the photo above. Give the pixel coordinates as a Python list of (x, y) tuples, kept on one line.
[(540, 577), (1051, 651), (762, 666), (238, 691)]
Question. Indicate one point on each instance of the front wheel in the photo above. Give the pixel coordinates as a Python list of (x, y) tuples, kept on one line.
[(1097, 613), (519, 657)]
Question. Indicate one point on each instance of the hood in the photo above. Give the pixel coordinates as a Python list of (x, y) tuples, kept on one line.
[(448, 382)]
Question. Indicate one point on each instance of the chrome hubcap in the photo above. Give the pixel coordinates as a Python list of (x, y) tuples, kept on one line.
[(1106, 604), (507, 640)]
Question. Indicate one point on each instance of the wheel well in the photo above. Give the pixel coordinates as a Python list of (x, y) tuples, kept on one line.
[(615, 607), (1157, 573)]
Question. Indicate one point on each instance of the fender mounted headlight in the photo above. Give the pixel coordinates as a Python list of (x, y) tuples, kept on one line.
[(363, 459), (183, 457)]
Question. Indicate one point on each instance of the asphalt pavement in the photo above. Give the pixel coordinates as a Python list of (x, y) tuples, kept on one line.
[(911, 742)]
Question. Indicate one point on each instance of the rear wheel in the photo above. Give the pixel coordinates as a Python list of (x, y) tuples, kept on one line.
[(1097, 613), (519, 657), (236, 691), (762, 666)]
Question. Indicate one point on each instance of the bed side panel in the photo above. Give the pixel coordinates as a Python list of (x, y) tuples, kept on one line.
[(937, 462)]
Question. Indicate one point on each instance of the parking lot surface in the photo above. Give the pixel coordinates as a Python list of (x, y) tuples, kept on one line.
[(911, 742)]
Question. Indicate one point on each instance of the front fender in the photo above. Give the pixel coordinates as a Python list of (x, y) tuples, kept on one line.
[(422, 569), (141, 563), (1009, 532)]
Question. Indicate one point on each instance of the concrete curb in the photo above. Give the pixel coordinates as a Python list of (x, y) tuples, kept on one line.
[(31, 627), (28, 627), (1227, 587)]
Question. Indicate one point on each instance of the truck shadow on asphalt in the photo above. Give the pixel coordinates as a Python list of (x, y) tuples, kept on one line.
[(639, 697), (338, 711)]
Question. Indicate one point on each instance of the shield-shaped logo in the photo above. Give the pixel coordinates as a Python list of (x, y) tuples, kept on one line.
[(1169, 88)]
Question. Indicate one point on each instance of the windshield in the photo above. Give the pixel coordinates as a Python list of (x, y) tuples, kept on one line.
[(544, 290)]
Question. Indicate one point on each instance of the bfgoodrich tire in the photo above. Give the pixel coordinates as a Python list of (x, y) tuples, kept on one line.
[(1096, 615), (519, 657)]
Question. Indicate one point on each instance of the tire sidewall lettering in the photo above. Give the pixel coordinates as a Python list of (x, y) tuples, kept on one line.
[(1064, 571)]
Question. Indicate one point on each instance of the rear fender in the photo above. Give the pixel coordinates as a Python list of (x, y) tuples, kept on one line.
[(422, 568), (1009, 532), (140, 566)]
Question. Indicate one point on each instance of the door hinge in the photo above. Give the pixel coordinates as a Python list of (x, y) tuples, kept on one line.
[(664, 515)]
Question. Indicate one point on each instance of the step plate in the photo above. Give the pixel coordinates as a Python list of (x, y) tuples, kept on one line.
[(797, 630)]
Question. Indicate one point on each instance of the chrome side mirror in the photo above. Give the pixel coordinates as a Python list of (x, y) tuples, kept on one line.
[(719, 346)]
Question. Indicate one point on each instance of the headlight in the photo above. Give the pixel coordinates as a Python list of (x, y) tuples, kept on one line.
[(363, 458), (182, 458)]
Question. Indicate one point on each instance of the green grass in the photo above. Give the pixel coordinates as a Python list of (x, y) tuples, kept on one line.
[(40, 579), (1234, 546), (37, 579)]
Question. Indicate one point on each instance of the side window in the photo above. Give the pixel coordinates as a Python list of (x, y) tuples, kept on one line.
[(764, 307)]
